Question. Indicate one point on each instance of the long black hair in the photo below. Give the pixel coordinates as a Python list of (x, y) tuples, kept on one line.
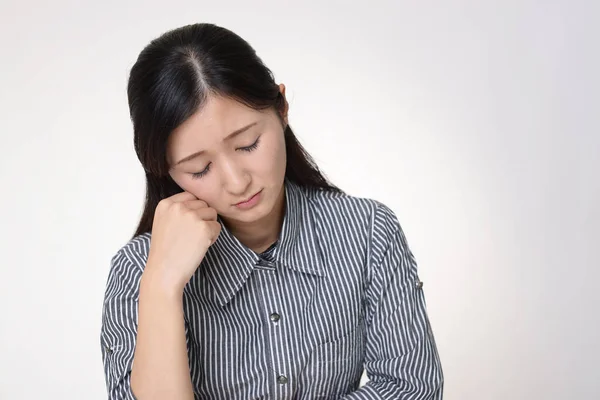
[(171, 80)]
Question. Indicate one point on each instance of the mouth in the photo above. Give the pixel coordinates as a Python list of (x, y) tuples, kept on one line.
[(248, 200)]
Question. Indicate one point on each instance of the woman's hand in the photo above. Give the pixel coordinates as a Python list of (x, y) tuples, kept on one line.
[(183, 229)]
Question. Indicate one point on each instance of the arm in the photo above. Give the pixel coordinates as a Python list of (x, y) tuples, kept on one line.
[(160, 365), (144, 342), (401, 359)]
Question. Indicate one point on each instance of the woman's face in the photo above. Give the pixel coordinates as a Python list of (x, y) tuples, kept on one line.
[(227, 153)]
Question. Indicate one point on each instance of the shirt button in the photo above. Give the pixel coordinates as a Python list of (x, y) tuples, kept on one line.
[(282, 379), (275, 317), (419, 284)]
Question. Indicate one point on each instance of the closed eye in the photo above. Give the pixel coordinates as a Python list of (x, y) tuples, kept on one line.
[(252, 147), (200, 174)]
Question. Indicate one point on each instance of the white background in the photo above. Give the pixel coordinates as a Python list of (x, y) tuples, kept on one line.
[(477, 122)]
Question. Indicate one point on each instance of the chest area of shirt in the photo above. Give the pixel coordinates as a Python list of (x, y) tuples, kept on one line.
[(283, 326)]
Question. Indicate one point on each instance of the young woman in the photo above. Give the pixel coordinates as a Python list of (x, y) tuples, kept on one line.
[(250, 276)]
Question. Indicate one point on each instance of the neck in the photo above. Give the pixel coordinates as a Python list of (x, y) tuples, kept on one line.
[(261, 234)]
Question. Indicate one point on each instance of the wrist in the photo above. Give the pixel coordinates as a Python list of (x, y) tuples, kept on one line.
[(160, 281)]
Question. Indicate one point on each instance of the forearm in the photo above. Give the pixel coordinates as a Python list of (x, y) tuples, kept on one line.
[(160, 366), (416, 374), (390, 390)]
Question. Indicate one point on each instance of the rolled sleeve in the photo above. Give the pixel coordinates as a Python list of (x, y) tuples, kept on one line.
[(401, 359), (119, 326)]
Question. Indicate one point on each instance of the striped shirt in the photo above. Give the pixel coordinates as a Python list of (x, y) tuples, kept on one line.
[(337, 295)]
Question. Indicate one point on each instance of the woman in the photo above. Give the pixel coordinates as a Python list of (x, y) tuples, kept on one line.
[(260, 279)]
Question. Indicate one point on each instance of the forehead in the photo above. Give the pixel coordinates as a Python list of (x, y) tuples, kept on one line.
[(217, 118), (217, 115)]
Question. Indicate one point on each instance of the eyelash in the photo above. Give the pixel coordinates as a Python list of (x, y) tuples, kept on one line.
[(250, 148), (197, 175)]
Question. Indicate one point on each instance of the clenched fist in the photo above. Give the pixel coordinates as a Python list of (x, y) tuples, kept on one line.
[(183, 229)]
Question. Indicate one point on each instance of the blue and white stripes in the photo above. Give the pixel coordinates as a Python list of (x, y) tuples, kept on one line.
[(337, 294)]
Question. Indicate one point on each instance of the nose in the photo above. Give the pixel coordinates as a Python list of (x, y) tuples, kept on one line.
[(236, 179)]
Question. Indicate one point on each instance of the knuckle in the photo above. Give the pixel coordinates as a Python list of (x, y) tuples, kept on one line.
[(162, 204), (205, 229), (162, 207), (189, 213), (179, 207)]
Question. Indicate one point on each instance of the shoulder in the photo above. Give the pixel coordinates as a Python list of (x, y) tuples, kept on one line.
[(373, 215), (129, 261), (365, 222)]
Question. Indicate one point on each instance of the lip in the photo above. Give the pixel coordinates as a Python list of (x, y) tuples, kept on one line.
[(250, 202)]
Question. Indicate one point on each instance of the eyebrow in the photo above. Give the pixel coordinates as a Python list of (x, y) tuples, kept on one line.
[(229, 137)]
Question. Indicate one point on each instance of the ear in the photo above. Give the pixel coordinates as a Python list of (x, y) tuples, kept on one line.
[(284, 114)]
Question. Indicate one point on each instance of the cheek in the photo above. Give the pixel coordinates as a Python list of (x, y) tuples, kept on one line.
[(201, 188), (273, 158)]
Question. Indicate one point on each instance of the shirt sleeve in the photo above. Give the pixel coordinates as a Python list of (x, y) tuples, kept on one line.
[(119, 326), (401, 359)]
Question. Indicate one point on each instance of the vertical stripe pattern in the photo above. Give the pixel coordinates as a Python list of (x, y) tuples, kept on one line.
[(338, 294)]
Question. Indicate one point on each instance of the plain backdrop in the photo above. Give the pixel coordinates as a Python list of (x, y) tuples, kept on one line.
[(477, 122)]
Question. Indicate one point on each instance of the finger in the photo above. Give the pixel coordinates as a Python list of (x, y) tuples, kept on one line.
[(183, 196), (195, 204), (215, 229), (207, 213)]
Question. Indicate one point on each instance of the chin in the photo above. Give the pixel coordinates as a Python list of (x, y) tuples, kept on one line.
[(249, 217), (261, 211)]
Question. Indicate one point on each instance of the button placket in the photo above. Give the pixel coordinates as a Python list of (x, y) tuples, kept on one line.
[(275, 316)]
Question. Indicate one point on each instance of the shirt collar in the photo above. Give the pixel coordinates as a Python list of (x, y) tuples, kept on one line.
[(228, 263)]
